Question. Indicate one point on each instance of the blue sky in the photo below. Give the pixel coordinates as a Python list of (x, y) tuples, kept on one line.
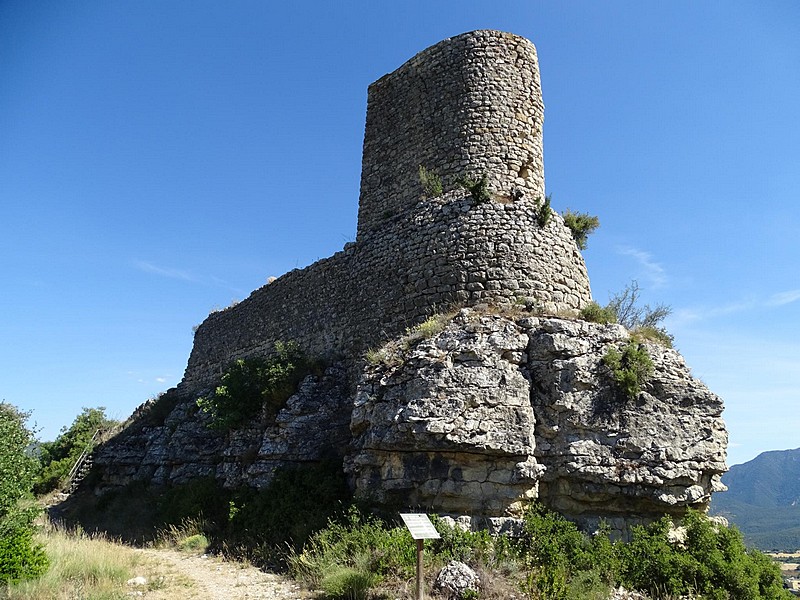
[(160, 159)]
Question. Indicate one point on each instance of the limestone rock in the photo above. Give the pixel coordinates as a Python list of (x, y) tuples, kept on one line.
[(311, 426), (455, 579), (494, 411), (450, 427)]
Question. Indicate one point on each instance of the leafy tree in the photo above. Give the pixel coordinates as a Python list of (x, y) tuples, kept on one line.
[(59, 456), (20, 557)]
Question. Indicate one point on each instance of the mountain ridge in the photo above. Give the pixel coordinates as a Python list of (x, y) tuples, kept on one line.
[(763, 499)]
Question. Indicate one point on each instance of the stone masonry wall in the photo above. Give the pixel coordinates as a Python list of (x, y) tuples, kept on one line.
[(468, 105)]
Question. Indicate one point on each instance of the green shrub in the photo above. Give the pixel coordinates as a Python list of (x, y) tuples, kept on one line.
[(358, 542), (457, 544), (347, 583), (478, 188), (250, 385), (594, 313), (20, 557), (431, 182), (545, 212), (630, 368), (712, 563), (580, 225), (193, 543)]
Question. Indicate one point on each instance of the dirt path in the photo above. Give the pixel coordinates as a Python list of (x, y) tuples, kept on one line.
[(189, 576)]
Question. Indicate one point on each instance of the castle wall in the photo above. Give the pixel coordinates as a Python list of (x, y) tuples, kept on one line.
[(476, 110)]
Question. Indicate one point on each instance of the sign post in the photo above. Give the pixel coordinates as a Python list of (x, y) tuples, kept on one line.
[(421, 529)]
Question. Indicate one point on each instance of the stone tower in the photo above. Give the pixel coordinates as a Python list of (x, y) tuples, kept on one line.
[(470, 105)]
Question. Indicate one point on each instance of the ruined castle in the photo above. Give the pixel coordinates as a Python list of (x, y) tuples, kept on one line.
[(470, 106), (499, 407)]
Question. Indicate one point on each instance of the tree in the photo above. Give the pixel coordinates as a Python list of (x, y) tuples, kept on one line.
[(59, 456), (20, 556)]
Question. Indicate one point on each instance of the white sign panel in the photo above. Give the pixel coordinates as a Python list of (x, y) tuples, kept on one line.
[(420, 526)]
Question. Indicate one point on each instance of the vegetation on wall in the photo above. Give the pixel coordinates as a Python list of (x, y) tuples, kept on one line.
[(545, 212), (478, 187), (581, 225), (20, 556), (431, 182), (254, 384)]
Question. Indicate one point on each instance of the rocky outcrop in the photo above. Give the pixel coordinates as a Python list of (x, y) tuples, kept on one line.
[(168, 441), (476, 415), (449, 423), (494, 411)]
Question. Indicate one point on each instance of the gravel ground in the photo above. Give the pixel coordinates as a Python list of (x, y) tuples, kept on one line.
[(210, 578)]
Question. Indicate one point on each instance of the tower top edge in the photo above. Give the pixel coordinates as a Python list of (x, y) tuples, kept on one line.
[(477, 35)]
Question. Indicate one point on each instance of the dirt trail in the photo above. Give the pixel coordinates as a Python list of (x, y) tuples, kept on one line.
[(211, 578)]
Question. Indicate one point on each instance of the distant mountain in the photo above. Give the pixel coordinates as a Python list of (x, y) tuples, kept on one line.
[(763, 500)]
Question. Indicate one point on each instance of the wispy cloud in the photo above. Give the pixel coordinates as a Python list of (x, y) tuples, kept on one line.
[(689, 315), (187, 276), (778, 299), (148, 267), (652, 270), (782, 298)]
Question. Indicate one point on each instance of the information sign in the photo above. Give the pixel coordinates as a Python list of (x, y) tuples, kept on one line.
[(420, 526)]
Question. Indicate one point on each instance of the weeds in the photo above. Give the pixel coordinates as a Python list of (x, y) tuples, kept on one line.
[(83, 566), (431, 182), (188, 536), (426, 330), (478, 188)]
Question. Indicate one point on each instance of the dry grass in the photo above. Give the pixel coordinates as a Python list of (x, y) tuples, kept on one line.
[(92, 567)]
